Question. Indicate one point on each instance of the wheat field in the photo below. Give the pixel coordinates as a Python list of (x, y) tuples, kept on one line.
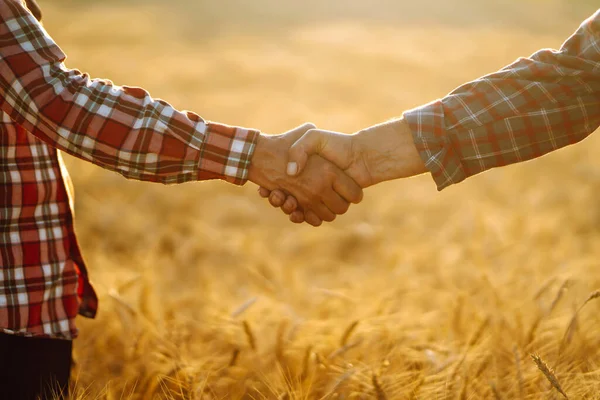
[(208, 293)]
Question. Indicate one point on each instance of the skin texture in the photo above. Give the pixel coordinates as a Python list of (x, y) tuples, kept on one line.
[(320, 192), (376, 154)]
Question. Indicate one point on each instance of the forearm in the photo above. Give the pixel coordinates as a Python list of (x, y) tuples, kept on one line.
[(388, 151), (119, 128), (527, 109), (136, 136)]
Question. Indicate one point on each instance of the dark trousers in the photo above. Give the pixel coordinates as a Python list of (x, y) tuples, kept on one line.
[(32, 368)]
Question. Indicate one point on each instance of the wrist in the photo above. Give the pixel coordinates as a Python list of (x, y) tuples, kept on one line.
[(389, 151), (254, 170), (265, 161), (412, 163)]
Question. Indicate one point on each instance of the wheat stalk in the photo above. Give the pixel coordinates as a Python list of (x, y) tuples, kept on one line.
[(482, 367), (339, 381), (415, 391), (573, 323), (342, 350), (319, 360), (538, 320), (249, 335), (243, 307), (594, 295), (280, 341), (348, 332), (477, 335), (463, 391), (457, 316), (533, 329), (305, 363), (547, 371), (234, 357), (544, 288), (495, 391), (519, 373), (379, 393), (563, 288)]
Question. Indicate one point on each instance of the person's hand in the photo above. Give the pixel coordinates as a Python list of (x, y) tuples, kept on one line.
[(380, 153), (288, 204), (376, 154), (322, 191)]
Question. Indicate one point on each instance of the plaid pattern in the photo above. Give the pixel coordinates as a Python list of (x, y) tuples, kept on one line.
[(525, 110), (45, 106)]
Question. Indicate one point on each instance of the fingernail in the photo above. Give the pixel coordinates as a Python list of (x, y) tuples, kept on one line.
[(292, 168)]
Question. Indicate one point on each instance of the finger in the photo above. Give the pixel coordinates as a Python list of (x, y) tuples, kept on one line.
[(312, 219), (305, 127), (290, 205), (297, 217), (323, 212), (348, 189), (309, 144), (336, 203), (277, 198), (264, 192), (300, 131)]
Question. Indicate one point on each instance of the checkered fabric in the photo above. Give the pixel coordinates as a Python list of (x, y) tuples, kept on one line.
[(44, 107), (525, 110)]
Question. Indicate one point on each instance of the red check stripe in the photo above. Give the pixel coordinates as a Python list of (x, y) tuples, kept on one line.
[(44, 106)]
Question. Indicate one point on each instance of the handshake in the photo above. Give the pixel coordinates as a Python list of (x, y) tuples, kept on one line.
[(313, 175)]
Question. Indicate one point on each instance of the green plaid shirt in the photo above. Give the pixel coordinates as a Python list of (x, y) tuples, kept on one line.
[(527, 109)]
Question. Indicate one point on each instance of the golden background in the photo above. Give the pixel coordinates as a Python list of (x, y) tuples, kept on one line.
[(208, 293)]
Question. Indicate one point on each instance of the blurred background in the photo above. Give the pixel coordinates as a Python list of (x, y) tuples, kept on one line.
[(207, 292)]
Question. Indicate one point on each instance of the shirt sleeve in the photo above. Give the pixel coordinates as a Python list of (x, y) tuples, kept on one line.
[(119, 128), (525, 110)]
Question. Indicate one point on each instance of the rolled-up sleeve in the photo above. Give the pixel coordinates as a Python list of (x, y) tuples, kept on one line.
[(119, 128), (527, 109)]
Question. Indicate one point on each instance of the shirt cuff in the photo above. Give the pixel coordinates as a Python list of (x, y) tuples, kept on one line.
[(434, 145), (227, 153)]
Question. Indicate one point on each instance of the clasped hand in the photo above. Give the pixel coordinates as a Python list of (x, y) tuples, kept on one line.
[(326, 171), (320, 193)]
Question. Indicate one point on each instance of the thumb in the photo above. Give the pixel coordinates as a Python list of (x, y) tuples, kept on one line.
[(310, 143), (298, 131)]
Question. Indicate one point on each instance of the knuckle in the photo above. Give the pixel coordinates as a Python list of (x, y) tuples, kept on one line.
[(329, 217), (310, 134), (329, 196), (312, 218), (272, 203), (328, 172), (331, 173), (328, 168), (343, 209), (358, 197), (275, 201), (314, 197)]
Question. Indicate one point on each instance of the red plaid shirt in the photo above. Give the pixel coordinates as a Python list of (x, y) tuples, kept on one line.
[(44, 107), (525, 110)]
